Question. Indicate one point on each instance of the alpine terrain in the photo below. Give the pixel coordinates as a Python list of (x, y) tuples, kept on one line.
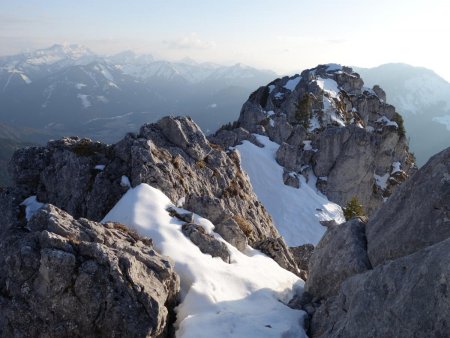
[(305, 217)]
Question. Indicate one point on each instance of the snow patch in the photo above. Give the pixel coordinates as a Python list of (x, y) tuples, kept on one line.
[(84, 100), (271, 88), (385, 121), (32, 206), (296, 212), (241, 299), (328, 86), (396, 167), (79, 85), (307, 145), (25, 78), (125, 181), (381, 181), (100, 167), (314, 124), (292, 83), (333, 67)]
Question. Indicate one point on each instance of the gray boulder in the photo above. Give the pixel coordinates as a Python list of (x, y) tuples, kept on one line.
[(61, 277), (277, 249), (291, 179), (184, 133), (340, 254), (417, 215), (407, 297), (205, 242)]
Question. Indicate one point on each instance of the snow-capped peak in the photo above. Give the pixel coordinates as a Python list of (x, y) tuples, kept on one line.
[(58, 53)]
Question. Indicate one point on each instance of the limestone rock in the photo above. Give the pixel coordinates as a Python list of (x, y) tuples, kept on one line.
[(61, 277), (340, 254), (415, 216), (278, 251), (407, 297), (291, 179), (205, 242), (302, 255), (184, 133)]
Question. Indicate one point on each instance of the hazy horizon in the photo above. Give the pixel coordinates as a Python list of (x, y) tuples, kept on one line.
[(284, 37)]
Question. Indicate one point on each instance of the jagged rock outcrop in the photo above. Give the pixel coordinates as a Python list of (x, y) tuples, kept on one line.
[(397, 285), (340, 254), (326, 120), (172, 155), (62, 277)]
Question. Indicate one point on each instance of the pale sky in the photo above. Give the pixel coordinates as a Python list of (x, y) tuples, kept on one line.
[(283, 35)]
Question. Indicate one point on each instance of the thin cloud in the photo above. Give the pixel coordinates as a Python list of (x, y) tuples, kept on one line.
[(191, 41)]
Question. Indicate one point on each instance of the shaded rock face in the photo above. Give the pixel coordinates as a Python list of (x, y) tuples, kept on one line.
[(341, 253), (407, 297), (326, 120), (389, 277), (61, 277), (424, 201), (172, 155), (301, 255)]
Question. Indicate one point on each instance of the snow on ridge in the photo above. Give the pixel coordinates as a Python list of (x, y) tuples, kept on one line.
[(31, 206), (296, 212), (328, 86), (241, 299), (385, 121), (333, 67), (292, 83)]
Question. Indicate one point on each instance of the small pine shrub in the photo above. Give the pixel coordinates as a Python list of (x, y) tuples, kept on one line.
[(397, 118), (353, 209), (303, 110)]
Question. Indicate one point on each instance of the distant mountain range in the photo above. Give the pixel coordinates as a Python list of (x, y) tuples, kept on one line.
[(67, 89), (422, 97)]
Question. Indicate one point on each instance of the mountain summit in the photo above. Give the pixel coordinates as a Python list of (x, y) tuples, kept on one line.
[(328, 124)]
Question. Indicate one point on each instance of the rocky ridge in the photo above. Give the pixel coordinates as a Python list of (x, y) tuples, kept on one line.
[(66, 250), (172, 155), (326, 121), (387, 277)]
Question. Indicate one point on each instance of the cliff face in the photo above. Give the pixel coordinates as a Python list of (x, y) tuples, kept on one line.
[(389, 276), (325, 120)]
